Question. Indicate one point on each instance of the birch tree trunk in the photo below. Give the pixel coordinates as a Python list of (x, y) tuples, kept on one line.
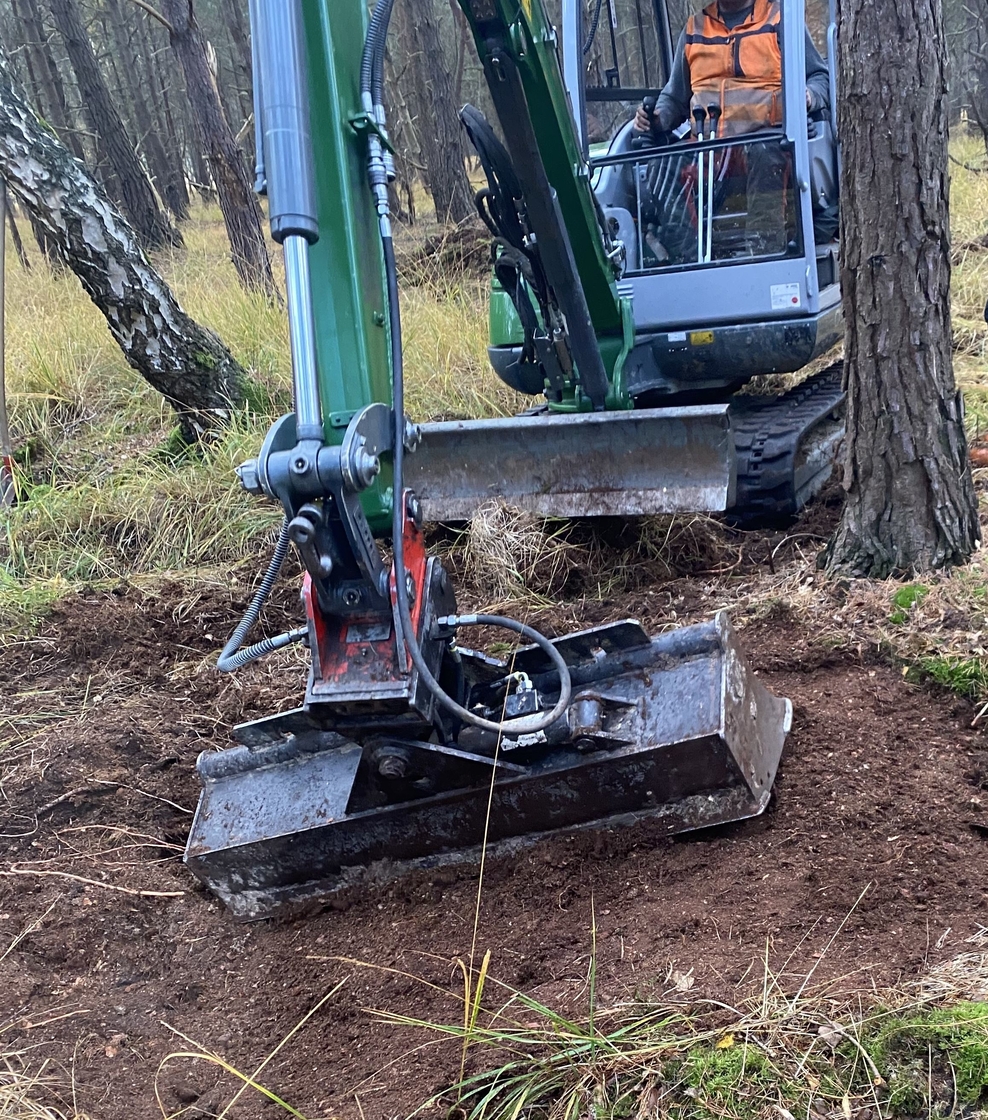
[(186, 363), (910, 503)]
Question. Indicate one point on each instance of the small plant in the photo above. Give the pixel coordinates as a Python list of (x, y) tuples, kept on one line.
[(905, 599)]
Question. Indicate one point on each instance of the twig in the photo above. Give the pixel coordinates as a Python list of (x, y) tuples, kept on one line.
[(49, 805), (155, 14), (92, 882), (953, 159), (145, 793), (795, 537)]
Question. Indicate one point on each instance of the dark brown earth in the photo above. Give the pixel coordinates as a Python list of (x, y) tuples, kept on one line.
[(869, 865)]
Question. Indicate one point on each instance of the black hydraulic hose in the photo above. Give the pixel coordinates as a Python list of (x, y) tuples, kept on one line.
[(593, 27), (373, 61), (233, 657), (528, 725)]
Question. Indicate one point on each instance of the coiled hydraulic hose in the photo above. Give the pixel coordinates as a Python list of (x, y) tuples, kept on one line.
[(233, 657), (374, 50)]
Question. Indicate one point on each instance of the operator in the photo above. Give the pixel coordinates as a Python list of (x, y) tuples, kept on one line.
[(730, 55)]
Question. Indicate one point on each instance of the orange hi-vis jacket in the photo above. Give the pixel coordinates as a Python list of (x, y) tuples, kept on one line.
[(738, 69)]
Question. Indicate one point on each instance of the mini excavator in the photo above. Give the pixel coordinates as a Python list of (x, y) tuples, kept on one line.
[(630, 298)]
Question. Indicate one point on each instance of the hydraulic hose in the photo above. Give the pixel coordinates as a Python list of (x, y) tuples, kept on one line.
[(372, 69), (594, 23), (233, 657), (372, 59), (528, 725)]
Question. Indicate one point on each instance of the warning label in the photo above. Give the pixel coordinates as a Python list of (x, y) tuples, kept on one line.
[(785, 296)]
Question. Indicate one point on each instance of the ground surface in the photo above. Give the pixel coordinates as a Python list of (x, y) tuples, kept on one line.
[(880, 823)]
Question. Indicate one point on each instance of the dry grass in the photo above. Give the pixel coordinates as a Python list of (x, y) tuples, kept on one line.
[(24, 1089)]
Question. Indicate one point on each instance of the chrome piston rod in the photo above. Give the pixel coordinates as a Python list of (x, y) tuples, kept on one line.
[(301, 331)]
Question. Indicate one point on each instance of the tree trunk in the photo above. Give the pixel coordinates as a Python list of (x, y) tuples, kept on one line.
[(438, 126), (49, 80), (165, 173), (241, 211), (240, 59), (910, 501), (186, 363), (178, 191), (15, 236), (112, 143)]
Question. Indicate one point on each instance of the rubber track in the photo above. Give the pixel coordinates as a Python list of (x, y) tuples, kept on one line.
[(768, 433)]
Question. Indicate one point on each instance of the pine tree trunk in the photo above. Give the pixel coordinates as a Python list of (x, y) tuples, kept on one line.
[(177, 190), (163, 172), (241, 211), (910, 501), (15, 237), (112, 143), (186, 363), (438, 125), (239, 54), (49, 80)]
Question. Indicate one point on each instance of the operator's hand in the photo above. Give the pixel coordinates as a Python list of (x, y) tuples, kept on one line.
[(809, 101), (642, 123)]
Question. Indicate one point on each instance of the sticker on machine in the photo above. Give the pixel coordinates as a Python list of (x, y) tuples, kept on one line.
[(785, 296)]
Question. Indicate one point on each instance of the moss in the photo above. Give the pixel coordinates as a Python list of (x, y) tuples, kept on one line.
[(737, 1080), (907, 597), (944, 1049)]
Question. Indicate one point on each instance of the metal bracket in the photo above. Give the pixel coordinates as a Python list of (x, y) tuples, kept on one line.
[(364, 124)]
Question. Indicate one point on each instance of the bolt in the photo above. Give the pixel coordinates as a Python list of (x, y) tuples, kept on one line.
[(300, 465), (351, 597), (378, 318), (249, 477), (410, 587), (413, 507), (413, 435)]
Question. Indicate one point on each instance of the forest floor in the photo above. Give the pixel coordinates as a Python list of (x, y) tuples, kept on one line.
[(785, 955)]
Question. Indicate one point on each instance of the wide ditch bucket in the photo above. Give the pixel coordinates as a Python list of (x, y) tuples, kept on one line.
[(675, 729)]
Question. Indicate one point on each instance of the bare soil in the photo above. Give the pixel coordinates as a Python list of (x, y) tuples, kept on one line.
[(869, 866)]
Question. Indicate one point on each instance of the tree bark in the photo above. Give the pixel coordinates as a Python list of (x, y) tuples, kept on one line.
[(183, 361), (241, 212), (112, 143), (438, 125), (15, 236), (910, 501), (167, 130), (240, 58)]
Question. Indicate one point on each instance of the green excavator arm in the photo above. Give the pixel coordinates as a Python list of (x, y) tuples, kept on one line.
[(517, 47), (408, 747)]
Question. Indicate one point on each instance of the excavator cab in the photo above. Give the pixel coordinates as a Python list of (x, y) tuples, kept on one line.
[(730, 258)]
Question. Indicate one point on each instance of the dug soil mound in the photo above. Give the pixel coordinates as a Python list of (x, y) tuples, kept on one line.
[(868, 868)]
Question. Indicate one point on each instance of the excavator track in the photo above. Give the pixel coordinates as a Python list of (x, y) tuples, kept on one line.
[(786, 447)]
